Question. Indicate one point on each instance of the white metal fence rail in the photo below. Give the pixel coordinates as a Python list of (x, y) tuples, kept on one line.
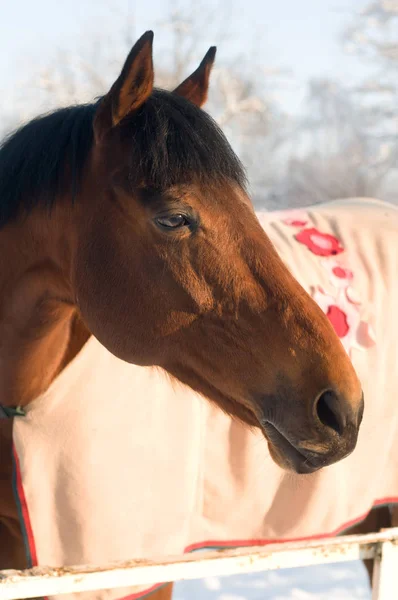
[(46, 581)]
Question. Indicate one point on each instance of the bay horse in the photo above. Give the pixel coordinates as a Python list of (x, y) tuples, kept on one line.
[(128, 219)]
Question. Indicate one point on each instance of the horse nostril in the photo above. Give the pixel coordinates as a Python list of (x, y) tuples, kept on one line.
[(330, 412)]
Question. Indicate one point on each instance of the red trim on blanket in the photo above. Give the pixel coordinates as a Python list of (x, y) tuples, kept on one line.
[(309, 538), (192, 547), (30, 540), (263, 542)]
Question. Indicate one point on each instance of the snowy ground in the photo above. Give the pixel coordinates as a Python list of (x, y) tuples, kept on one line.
[(344, 581)]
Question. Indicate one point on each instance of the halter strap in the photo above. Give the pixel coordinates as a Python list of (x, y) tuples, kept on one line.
[(8, 412)]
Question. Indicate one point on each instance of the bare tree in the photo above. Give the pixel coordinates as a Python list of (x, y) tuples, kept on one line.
[(346, 143), (239, 99), (330, 154), (373, 37)]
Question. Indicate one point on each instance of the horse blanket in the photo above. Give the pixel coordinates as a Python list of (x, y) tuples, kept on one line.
[(116, 461)]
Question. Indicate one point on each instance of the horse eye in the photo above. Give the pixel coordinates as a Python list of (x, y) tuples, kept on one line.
[(172, 221)]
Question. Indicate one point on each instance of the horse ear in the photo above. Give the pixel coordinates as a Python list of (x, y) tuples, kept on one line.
[(130, 90), (196, 86)]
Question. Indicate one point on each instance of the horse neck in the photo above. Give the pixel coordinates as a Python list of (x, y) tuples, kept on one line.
[(40, 331)]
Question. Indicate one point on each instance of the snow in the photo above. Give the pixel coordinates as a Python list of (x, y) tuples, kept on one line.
[(343, 581)]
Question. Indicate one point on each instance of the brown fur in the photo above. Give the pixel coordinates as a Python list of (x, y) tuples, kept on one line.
[(165, 593), (212, 304)]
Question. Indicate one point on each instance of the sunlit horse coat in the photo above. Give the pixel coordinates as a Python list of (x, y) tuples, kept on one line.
[(117, 461)]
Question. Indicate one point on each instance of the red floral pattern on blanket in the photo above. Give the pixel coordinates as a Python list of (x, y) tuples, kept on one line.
[(345, 317), (321, 244), (339, 274), (295, 222), (343, 308), (293, 218)]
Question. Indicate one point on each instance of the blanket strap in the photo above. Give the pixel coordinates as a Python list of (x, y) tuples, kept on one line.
[(8, 412)]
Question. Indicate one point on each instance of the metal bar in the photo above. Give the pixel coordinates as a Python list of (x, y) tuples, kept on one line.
[(385, 577), (47, 581)]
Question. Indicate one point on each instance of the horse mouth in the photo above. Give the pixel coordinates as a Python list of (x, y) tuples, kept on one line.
[(287, 456)]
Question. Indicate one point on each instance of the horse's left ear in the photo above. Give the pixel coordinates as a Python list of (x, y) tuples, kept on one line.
[(130, 90), (196, 86)]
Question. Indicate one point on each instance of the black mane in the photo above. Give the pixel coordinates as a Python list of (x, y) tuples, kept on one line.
[(173, 141), (32, 159)]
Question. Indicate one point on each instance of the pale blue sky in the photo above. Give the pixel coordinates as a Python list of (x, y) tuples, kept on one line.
[(300, 34)]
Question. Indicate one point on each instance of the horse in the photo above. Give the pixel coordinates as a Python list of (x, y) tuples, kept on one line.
[(128, 221)]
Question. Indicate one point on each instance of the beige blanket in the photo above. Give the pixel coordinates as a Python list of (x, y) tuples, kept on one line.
[(116, 462)]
